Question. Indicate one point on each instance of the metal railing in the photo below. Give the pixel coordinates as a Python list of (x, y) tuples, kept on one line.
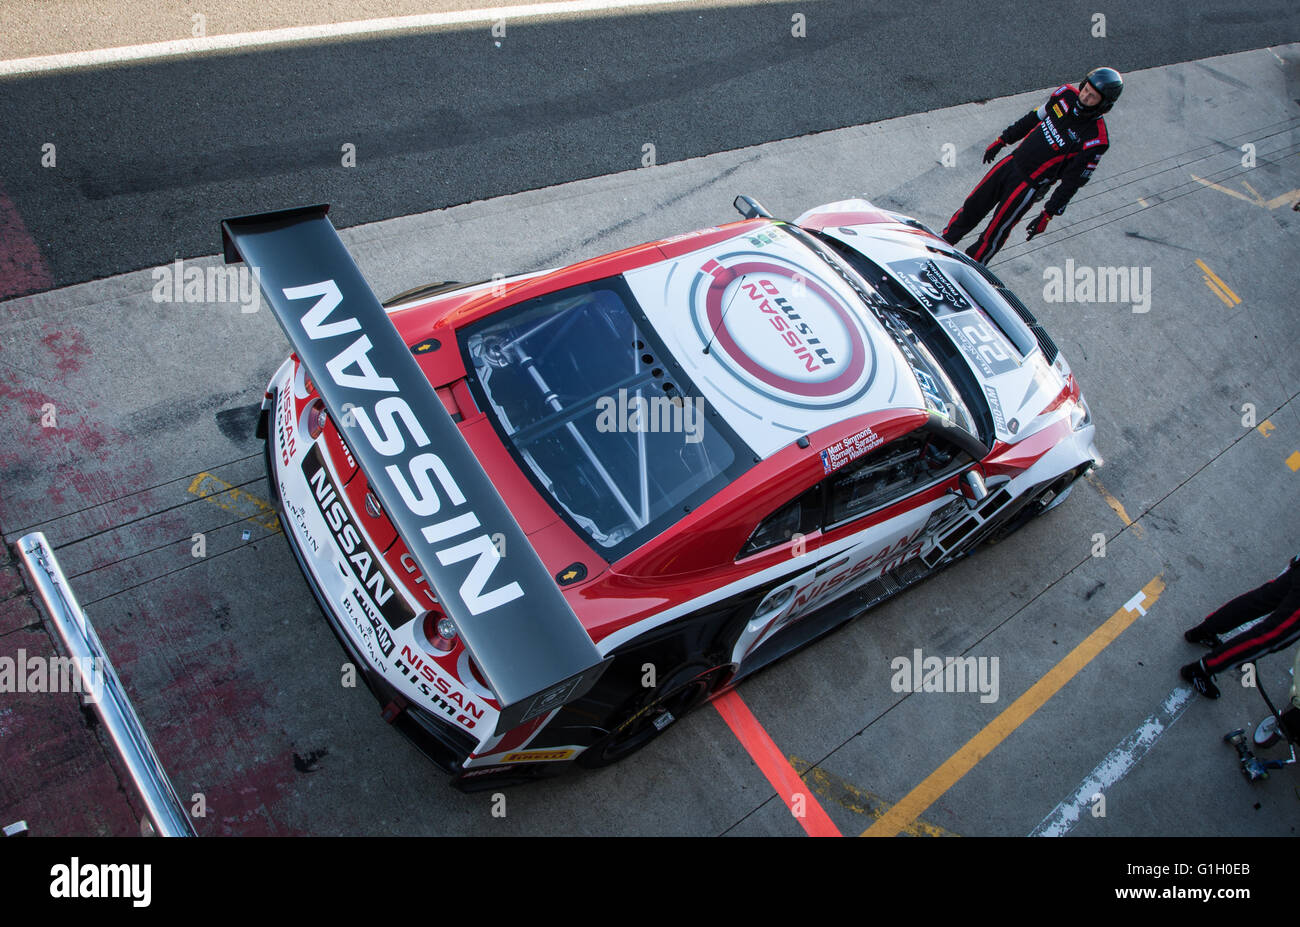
[(166, 814)]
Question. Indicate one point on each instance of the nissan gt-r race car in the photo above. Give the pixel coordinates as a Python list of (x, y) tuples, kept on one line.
[(548, 515)]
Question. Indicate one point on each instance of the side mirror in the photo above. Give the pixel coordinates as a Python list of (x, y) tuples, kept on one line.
[(750, 208), (973, 488)]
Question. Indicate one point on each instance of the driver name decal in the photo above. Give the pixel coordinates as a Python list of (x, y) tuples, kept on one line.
[(849, 449)]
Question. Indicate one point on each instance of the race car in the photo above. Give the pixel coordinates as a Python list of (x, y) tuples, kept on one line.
[(547, 516)]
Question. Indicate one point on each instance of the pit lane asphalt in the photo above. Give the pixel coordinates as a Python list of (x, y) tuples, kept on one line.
[(146, 155), (236, 675)]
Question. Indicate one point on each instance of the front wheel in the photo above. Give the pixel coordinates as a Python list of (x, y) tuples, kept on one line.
[(1046, 499)]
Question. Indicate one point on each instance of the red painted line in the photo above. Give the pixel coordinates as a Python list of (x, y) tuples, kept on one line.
[(769, 758)]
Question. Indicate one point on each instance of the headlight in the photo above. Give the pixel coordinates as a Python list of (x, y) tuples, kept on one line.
[(1080, 415)]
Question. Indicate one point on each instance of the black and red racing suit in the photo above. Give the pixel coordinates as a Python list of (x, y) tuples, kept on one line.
[(1061, 141)]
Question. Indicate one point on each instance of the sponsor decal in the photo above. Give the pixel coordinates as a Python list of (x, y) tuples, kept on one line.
[(286, 432), (995, 406), (852, 571), (365, 632), (987, 349), (849, 449), (1051, 133), (299, 516), (890, 557), (537, 756), (551, 699), (781, 331), (352, 369), (383, 637), (482, 771), (362, 560), (1014, 425), (438, 689), (410, 566), (425, 347), (930, 285), (1056, 108)]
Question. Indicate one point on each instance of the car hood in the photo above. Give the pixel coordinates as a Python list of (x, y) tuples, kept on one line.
[(1002, 352), (775, 341)]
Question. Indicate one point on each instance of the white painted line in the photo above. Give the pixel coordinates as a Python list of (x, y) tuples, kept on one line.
[(1115, 766), (1135, 604), (211, 43)]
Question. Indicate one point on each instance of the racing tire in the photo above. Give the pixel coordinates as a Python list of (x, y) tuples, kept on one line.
[(685, 689), (1046, 499)]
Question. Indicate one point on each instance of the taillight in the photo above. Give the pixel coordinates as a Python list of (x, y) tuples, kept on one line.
[(478, 676), (316, 418), (439, 632)]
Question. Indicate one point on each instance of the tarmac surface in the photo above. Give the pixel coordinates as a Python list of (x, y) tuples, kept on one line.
[(146, 155), (129, 424)]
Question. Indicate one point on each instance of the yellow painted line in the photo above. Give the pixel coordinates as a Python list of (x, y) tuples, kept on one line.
[(858, 800), (234, 499), (1255, 198), (1223, 297), (893, 821), (1214, 186), (1294, 461), (1265, 427), (1211, 275), (1292, 197), (1114, 503)]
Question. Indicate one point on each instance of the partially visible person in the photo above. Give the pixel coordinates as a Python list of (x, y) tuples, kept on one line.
[(1278, 599)]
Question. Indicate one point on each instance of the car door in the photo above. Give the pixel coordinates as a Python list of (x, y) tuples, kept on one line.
[(875, 514)]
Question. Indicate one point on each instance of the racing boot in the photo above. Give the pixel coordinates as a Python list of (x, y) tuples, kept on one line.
[(1201, 680)]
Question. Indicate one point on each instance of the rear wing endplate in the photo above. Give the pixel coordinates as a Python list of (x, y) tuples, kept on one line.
[(531, 648)]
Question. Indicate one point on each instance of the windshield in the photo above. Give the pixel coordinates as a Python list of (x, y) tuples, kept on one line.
[(951, 397), (599, 415)]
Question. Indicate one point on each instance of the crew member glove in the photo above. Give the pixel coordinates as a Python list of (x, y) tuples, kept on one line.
[(1039, 224), (991, 152)]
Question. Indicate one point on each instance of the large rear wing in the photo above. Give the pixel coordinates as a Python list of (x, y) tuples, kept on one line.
[(533, 652)]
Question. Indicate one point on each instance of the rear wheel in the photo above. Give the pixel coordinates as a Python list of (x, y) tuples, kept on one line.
[(685, 689)]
